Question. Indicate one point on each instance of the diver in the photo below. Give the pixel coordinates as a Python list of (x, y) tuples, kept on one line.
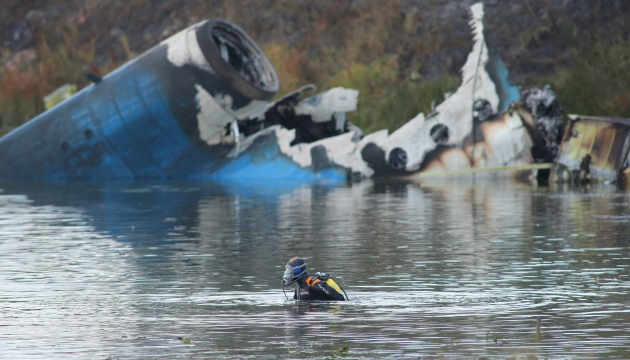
[(311, 287)]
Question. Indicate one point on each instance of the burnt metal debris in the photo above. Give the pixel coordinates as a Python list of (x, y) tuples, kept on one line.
[(593, 148), (548, 127), (197, 106)]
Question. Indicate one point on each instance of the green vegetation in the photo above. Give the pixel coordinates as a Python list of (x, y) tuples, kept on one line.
[(399, 103), (387, 97), (23, 86), (599, 81)]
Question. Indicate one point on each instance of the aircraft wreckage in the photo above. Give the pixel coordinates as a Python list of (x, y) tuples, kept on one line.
[(197, 106)]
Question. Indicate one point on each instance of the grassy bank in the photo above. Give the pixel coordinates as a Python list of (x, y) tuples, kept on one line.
[(599, 81), (25, 81)]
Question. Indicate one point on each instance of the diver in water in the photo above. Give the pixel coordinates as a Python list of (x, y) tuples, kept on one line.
[(311, 287)]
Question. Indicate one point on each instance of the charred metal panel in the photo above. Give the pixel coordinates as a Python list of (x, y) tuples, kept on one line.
[(544, 122), (593, 148), (162, 115), (313, 118)]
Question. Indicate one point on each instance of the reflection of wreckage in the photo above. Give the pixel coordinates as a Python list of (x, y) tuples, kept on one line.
[(197, 106)]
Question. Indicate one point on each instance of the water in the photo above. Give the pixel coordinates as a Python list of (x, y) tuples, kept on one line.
[(132, 270)]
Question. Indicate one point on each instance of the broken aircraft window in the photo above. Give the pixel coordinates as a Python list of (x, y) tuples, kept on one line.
[(439, 133), (482, 110), (398, 158)]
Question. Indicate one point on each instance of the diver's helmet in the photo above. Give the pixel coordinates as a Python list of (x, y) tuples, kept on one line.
[(294, 270)]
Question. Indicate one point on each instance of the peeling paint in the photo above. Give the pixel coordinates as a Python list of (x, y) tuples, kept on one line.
[(183, 49), (212, 119), (322, 107)]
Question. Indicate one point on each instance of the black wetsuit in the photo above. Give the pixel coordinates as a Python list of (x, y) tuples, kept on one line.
[(312, 288)]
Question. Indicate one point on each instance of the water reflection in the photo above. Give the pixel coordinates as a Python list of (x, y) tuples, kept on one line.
[(124, 269)]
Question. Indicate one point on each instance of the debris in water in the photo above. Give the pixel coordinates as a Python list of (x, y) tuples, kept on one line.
[(197, 106), (593, 149)]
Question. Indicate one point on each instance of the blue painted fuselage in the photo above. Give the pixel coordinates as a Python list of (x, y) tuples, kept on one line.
[(140, 122)]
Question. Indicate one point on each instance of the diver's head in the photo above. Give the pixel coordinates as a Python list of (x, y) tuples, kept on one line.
[(294, 270)]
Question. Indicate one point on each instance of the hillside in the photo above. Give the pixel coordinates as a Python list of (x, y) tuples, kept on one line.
[(400, 54)]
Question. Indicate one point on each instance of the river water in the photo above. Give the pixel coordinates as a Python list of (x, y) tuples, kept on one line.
[(190, 270)]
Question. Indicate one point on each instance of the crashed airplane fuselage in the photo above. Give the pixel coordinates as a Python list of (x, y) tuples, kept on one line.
[(485, 123), (160, 116), (197, 106)]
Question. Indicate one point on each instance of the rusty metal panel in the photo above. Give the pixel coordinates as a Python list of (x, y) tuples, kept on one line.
[(594, 145), (601, 148)]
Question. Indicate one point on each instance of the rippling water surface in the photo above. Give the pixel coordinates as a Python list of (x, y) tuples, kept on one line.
[(133, 270)]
